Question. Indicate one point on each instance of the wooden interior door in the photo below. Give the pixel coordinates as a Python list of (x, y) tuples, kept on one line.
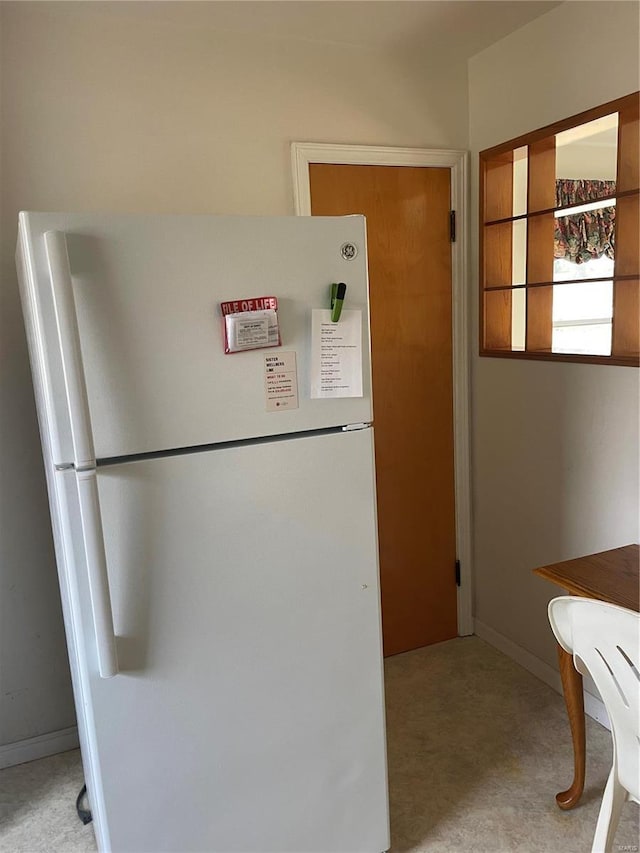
[(409, 249)]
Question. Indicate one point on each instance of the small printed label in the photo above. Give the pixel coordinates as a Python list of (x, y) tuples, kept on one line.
[(251, 330), (281, 381)]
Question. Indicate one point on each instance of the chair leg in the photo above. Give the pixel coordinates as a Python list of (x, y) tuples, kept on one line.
[(612, 801)]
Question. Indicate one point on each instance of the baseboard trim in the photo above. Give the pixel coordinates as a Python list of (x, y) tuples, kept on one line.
[(593, 705), (594, 708), (38, 747)]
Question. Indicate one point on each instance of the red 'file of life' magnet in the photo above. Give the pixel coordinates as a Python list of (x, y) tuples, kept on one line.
[(250, 324)]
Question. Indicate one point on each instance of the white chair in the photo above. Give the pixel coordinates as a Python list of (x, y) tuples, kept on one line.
[(605, 643)]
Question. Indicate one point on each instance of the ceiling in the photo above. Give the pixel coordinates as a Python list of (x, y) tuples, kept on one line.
[(460, 28)]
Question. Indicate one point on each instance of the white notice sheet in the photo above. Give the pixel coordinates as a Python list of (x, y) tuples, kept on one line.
[(336, 354)]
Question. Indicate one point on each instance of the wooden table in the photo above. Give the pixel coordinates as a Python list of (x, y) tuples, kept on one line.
[(608, 576)]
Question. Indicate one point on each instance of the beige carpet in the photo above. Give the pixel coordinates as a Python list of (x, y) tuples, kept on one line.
[(477, 749)]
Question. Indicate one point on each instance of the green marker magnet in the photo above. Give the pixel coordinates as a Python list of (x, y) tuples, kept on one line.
[(338, 292)]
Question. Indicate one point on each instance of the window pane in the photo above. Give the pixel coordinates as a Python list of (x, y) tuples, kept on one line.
[(518, 317), (587, 155), (519, 252), (520, 164), (566, 270), (579, 302), (584, 340), (582, 318)]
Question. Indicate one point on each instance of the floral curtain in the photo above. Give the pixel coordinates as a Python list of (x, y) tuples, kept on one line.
[(585, 236)]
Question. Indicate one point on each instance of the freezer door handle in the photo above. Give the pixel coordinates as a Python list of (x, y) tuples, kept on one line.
[(96, 559), (70, 352)]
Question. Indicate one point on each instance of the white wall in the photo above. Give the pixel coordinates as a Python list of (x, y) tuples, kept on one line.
[(555, 446), (104, 107)]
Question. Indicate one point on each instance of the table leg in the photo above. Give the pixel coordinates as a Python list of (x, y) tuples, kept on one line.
[(574, 700)]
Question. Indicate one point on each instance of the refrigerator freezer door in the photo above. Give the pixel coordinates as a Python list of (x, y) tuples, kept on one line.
[(248, 711), (147, 293)]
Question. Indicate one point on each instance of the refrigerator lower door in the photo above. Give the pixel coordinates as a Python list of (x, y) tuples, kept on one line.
[(248, 712)]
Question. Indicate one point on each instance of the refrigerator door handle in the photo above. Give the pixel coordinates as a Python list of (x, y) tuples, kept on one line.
[(100, 596), (69, 343)]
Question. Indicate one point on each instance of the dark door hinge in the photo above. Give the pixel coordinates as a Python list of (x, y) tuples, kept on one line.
[(452, 226), (457, 572)]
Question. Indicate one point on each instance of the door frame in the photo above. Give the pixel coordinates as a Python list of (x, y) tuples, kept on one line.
[(305, 153)]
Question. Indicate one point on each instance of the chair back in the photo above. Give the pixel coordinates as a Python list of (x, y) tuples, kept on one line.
[(605, 643)]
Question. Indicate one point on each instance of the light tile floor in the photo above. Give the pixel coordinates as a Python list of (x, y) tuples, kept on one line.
[(477, 749)]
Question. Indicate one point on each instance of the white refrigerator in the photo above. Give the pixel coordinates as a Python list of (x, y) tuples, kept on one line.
[(217, 556)]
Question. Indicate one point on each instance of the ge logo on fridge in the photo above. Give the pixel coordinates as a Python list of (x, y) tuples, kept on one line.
[(348, 251)]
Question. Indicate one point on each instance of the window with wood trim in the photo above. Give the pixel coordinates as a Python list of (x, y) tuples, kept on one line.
[(559, 240)]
